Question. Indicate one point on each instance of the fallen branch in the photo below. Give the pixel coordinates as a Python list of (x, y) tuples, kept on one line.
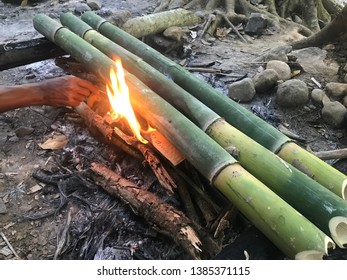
[(332, 154), (25, 52), (162, 216), (9, 245), (233, 27), (203, 70)]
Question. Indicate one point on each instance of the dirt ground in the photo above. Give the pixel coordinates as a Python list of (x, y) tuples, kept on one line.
[(102, 227)]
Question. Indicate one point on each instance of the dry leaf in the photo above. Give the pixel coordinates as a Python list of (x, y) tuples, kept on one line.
[(55, 143), (35, 188), (295, 73)]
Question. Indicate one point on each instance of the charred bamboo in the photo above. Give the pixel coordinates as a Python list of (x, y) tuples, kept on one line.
[(296, 236), (231, 111)]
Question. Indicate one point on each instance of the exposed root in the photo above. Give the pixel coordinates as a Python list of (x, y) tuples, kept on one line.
[(310, 15), (332, 33)]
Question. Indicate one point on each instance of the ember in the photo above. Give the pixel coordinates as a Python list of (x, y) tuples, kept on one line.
[(118, 94)]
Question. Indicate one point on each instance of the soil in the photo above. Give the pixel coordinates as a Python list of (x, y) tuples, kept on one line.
[(101, 226)]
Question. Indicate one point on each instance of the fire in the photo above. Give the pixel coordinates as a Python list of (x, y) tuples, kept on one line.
[(118, 94)]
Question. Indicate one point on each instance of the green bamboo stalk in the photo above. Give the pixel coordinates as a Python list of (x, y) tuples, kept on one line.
[(231, 111), (303, 193), (288, 229)]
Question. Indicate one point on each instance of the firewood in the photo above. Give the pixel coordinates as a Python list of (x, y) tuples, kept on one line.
[(24, 52), (332, 154), (95, 123), (128, 144), (162, 216)]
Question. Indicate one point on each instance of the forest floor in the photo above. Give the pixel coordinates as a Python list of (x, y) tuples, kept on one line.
[(95, 233)]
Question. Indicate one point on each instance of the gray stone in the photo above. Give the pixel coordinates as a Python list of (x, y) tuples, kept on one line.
[(336, 90), (314, 61), (317, 95), (334, 113), (278, 53), (3, 209), (13, 139), (344, 101), (282, 69), (94, 4), (242, 91), (292, 93), (256, 24), (174, 32), (24, 131), (119, 17), (80, 8), (265, 81)]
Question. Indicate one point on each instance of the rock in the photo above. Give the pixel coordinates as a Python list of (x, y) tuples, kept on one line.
[(119, 17), (80, 8), (13, 139), (174, 32), (314, 61), (94, 4), (23, 131), (318, 95), (344, 101), (3, 209), (282, 69), (5, 251), (334, 113), (242, 91), (292, 93), (279, 53), (336, 90), (265, 80), (256, 24)]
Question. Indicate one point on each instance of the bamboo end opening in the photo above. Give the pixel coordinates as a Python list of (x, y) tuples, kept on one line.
[(344, 189), (315, 254), (338, 229)]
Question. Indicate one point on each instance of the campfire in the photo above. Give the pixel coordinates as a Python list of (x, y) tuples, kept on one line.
[(239, 156), (118, 94)]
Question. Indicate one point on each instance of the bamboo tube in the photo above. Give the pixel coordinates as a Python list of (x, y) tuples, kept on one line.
[(158, 22), (305, 194), (297, 237), (232, 112)]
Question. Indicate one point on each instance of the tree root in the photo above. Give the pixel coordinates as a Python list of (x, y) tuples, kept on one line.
[(331, 33), (306, 16)]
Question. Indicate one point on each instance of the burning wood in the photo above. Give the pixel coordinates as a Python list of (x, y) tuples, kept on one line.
[(121, 140)]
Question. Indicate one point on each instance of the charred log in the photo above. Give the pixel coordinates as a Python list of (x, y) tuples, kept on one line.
[(25, 52)]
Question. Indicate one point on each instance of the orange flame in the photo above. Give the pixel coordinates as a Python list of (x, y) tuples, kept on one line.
[(118, 94)]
